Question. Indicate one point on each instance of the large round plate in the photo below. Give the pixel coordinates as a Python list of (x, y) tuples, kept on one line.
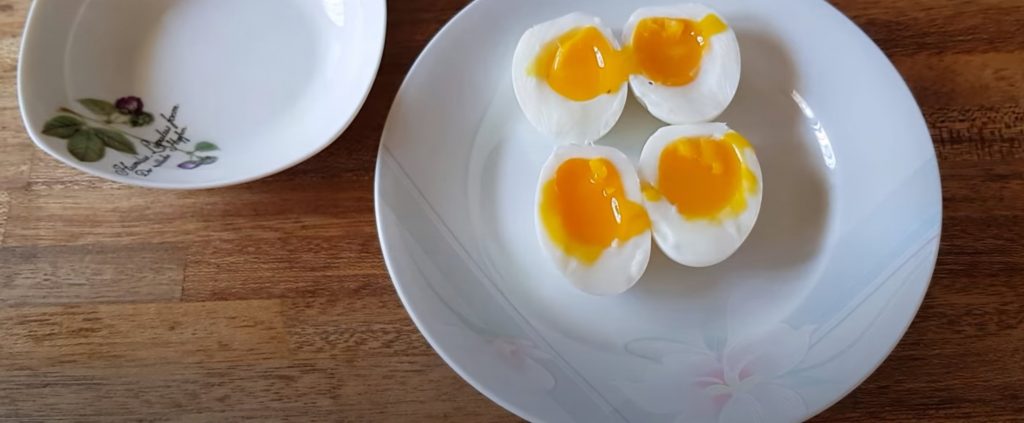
[(822, 291)]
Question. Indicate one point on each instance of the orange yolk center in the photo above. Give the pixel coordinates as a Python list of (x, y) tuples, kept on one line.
[(668, 51), (704, 177), (582, 64), (584, 209)]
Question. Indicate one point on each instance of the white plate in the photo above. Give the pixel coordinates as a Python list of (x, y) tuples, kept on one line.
[(821, 292), (231, 90)]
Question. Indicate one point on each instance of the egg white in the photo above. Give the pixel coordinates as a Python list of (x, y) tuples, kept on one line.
[(619, 266), (697, 242), (707, 96), (563, 119)]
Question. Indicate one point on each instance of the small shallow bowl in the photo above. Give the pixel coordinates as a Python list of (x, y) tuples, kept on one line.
[(190, 94)]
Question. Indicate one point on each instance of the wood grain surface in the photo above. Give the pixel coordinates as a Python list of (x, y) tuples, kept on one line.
[(270, 300)]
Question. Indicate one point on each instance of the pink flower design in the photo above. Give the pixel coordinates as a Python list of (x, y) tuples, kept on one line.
[(523, 357), (738, 384), (513, 362)]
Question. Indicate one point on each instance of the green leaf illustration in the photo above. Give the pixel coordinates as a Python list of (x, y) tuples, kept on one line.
[(63, 126), (115, 140), (206, 146), (141, 119), (98, 107), (86, 146)]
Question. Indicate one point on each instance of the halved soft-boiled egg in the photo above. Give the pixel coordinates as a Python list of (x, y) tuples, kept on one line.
[(686, 62), (570, 78), (591, 218), (702, 186)]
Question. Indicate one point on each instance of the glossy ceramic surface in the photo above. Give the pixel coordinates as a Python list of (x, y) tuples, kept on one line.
[(195, 93), (821, 292)]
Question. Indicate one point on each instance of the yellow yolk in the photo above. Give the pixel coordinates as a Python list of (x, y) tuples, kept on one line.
[(585, 210), (704, 177), (668, 51), (581, 65)]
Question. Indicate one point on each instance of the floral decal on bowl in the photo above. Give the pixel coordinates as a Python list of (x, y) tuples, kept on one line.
[(107, 125)]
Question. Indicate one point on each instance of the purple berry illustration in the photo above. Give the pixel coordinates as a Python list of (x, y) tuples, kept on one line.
[(130, 105), (189, 165)]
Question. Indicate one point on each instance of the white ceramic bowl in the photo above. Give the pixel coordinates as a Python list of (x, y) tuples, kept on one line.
[(820, 293), (188, 94)]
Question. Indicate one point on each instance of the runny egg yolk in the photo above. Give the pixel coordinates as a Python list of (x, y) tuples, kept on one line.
[(581, 64), (668, 51), (703, 177), (584, 209)]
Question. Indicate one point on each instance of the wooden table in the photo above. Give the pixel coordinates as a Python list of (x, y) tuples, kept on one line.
[(270, 300)]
